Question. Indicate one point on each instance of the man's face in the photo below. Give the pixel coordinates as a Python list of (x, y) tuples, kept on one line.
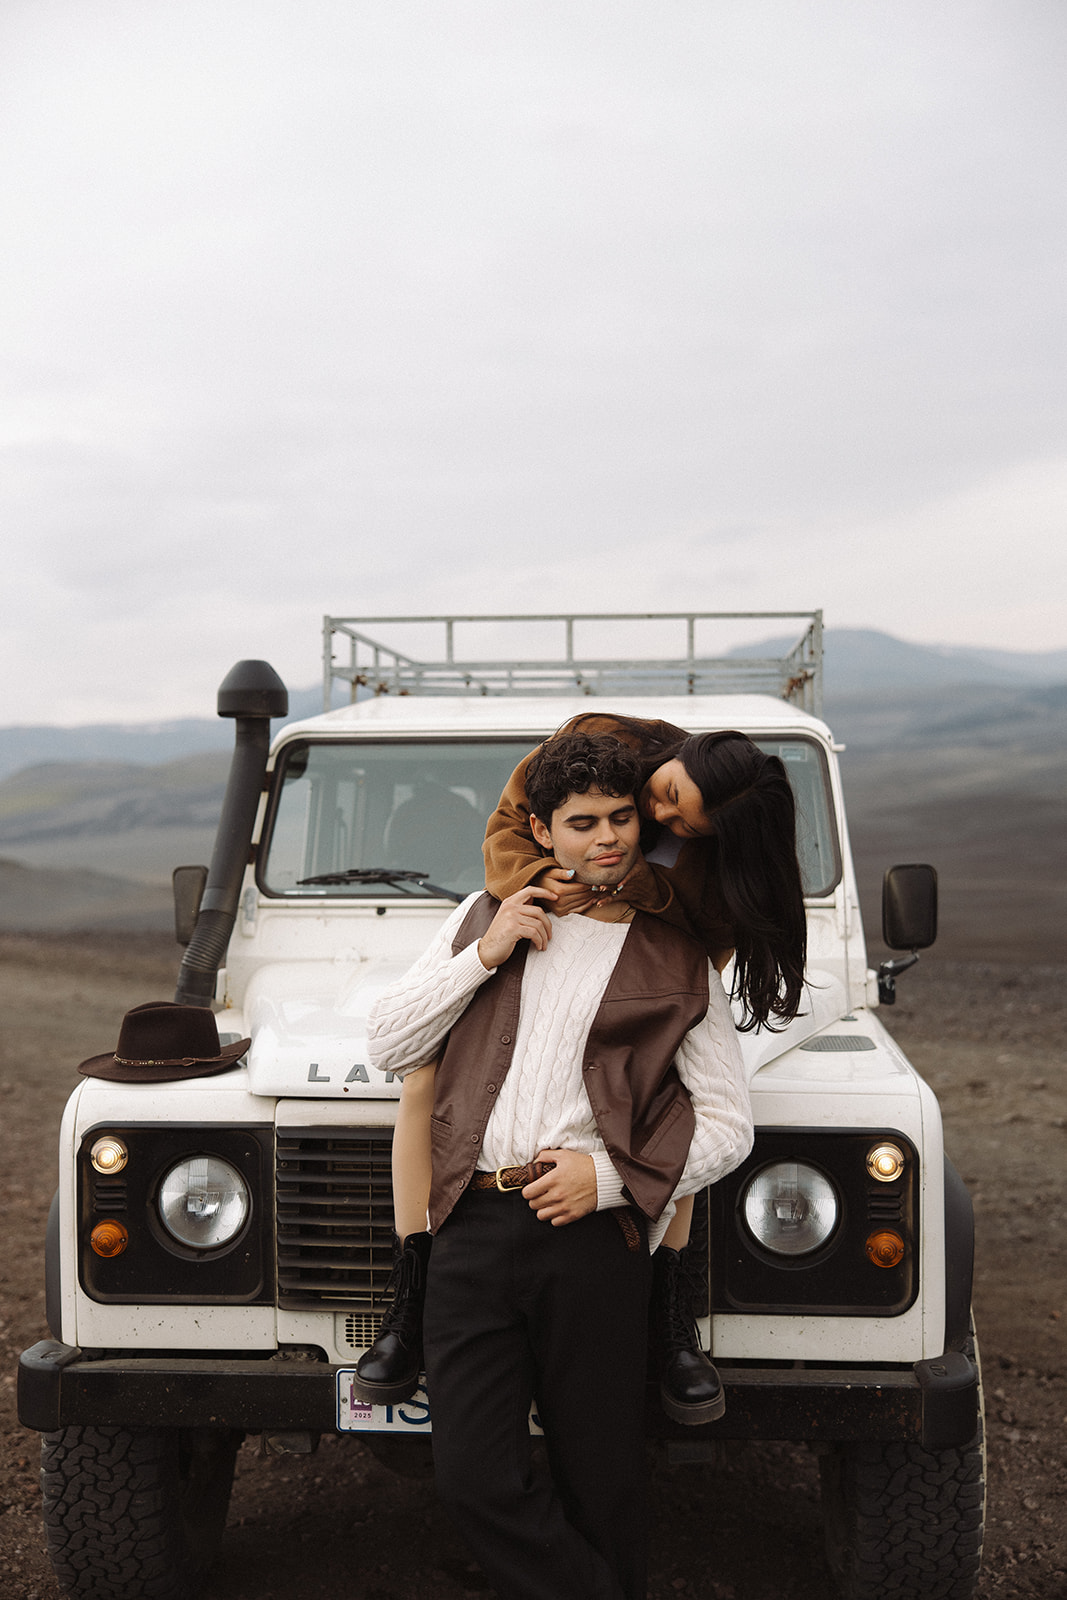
[(595, 834)]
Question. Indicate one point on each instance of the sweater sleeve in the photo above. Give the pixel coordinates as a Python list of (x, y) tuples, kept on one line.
[(711, 1067), (411, 1017)]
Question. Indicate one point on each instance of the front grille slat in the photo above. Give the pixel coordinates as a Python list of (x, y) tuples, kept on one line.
[(334, 1218)]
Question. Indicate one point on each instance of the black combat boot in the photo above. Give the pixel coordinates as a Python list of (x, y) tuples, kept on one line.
[(389, 1370), (689, 1386)]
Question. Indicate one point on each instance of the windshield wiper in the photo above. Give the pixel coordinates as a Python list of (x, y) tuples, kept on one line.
[(396, 879)]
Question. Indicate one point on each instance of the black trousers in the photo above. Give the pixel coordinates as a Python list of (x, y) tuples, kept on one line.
[(517, 1310)]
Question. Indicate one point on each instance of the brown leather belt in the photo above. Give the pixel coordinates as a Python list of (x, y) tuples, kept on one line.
[(509, 1180)]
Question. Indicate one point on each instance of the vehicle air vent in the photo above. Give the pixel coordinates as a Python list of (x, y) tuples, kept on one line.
[(840, 1043), (335, 1217), (109, 1194)]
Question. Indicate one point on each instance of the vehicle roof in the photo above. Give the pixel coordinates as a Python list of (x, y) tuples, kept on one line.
[(532, 716)]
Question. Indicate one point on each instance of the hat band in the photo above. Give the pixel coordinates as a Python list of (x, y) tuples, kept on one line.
[(174, 1061)]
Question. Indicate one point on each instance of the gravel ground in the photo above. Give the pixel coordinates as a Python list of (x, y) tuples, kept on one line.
[(745, 1527)]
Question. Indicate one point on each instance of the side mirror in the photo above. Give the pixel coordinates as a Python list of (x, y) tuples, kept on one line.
[(909, 907), (188, 883), (909, 921)]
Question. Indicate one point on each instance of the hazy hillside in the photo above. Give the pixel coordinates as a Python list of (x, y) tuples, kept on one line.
[(46, 900), (975, 781), (144, 744)]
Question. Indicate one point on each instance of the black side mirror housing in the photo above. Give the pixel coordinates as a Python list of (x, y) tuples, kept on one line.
[(188, 884), (909, 907)]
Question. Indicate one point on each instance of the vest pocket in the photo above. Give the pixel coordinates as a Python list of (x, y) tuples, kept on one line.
[(660, 1131), (440, 1132)]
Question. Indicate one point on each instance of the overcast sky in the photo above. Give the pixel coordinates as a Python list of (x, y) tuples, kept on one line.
[(487, 305)]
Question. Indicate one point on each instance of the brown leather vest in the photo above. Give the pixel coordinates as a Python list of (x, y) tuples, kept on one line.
[(656, 993)]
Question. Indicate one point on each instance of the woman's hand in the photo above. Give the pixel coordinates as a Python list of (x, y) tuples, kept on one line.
[(571, 897)]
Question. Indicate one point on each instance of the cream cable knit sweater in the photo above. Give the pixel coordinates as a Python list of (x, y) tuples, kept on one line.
[(542, 1104)]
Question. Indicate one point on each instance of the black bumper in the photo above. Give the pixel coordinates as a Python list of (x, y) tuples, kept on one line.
[(934, 1403)]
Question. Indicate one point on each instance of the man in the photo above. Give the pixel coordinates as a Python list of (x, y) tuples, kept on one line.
[(591, 1071)]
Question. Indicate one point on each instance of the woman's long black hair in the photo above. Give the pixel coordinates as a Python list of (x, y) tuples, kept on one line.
[(749, 800)]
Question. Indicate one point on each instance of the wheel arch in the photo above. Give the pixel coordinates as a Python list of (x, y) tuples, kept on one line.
[(53, 1295), (959, 1258)]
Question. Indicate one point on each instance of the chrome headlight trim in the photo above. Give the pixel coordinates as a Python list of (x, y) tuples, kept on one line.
[(790, 1208), (203, 1202)]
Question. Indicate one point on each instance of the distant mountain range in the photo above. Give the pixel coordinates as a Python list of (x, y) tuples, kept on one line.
[(143, 743), (956, 757), (861, 659), (859, 662)]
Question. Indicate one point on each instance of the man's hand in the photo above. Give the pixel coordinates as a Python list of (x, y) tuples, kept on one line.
[(519, 917), (567, 1192)]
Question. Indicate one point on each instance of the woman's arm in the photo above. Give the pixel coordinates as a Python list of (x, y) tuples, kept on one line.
[(512, 856)]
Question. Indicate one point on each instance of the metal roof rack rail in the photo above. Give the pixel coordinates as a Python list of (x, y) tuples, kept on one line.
[(368, 664)]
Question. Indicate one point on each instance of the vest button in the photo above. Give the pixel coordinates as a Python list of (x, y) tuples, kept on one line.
[(490, 1088), (505, 1038), (475, 1139)]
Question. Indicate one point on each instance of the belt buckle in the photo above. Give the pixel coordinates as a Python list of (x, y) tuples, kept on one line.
[(507, 1188)]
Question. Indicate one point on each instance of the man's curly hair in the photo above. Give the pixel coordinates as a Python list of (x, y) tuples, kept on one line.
[(574, 763)]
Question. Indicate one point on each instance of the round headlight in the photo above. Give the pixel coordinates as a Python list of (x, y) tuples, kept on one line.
[(790, 1208), (203, 1202)]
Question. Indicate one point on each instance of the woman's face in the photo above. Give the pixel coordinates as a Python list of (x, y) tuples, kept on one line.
[(671, 798)]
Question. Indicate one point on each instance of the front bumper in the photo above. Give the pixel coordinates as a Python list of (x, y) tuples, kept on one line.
[(935, 1403)]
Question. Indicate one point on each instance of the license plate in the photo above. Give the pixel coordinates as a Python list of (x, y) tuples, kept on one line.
[(406, 1416), (360, 1416)]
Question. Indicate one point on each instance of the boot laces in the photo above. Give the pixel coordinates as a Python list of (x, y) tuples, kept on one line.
[(407, 1283), (679, 1328)]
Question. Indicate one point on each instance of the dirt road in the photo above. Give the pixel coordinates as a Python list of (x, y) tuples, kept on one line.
[(991, 1041)]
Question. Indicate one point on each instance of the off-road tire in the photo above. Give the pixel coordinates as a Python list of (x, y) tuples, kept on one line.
[(135, 1514), (904, 1523)]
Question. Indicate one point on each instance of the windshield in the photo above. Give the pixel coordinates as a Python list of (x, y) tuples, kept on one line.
[(373, 820), (817, 846), (391, 820)]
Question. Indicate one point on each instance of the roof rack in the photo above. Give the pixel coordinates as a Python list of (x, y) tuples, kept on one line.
[(378, 668)]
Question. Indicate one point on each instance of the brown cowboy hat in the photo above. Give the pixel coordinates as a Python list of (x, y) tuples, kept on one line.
[(161, 1041)]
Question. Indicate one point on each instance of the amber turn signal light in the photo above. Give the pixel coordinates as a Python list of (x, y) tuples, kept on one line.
[(109, 1238), (885, 1248)]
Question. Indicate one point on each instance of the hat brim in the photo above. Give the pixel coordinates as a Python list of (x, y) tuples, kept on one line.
[(107, 1067)]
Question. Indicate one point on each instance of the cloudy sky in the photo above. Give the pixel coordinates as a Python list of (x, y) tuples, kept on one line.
[(372, 306)]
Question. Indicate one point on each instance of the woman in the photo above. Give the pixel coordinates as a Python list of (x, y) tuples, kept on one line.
[(719, 843)]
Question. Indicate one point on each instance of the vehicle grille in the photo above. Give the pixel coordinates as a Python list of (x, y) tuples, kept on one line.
[(335, 1217)]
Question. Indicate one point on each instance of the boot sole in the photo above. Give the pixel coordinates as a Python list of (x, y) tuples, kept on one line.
[(385, 1394), (692, 1416)]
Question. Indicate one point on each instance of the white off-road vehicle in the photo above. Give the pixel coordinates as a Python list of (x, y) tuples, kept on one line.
[(253, 1207)]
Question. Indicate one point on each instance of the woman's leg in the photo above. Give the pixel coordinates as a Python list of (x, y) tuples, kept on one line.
[(677, 1234), (388, 1371), (690, 1388), (411, 1153)]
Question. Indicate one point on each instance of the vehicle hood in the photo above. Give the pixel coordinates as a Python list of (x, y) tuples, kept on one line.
[(308, 1025)]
